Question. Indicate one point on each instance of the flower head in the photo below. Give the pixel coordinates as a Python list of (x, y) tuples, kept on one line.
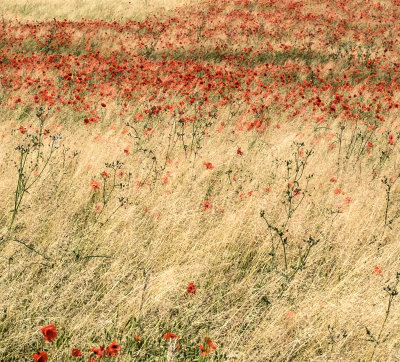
[(41, 356), (76, 353), (205, 351), (170, 335), (113, 349), (206, 205), (49, 332), (191, 288), (98, 352), (95, 185)]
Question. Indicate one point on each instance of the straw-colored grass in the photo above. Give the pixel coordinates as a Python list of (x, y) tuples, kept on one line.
[(98, 283)]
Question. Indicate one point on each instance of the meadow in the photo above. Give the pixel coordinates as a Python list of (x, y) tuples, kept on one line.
[(200, 181)]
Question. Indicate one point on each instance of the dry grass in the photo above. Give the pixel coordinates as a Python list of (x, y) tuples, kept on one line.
[(91, 280), (38, 10)]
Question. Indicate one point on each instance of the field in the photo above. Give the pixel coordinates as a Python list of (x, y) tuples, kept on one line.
[(214, 180)]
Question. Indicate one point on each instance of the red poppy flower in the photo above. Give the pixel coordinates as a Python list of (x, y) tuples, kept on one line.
[(126, 151), (95, 185), (239, 151), (104, 174), (209, 165), (103, 105), (41, 356), (137, 337), (98, 352), (206, 205), (205, 351), (391, 140), (377, 270), (170, 335), (76, 352), (49, 332), (113, 349), (191, 288), (210, 343), (22, 129)]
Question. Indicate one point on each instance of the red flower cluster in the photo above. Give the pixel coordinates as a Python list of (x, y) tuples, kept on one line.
[(170, 335), (95, 185), (205, 351), (191, 289)]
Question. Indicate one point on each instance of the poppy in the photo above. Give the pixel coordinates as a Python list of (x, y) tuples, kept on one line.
[(113, 349), (210, 343), (137, 337), (95, 185), (76, 352), (377, 270), (22, 129), (103, 105), (41, 356), (205, 351), (170, 335), (126, 150), (206, 205), (209, 165), (104, 174), (239, 151), (49, 332), (191, 289), (98, 352)]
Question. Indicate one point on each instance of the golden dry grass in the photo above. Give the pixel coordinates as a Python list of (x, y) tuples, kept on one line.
[(163, 240), (38, 10)]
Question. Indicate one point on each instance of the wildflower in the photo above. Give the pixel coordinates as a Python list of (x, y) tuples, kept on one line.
[(103, 105), (205, 351), (41, 356), (391, 140), (206, 205), (289, 314), (377, 270), (113, 349), (209, 165), (333, 179), (267, 190), (137, 337), (239, 151), (337, 191), (98, 352), (170, 335), (49, 332), (104, 174), (95, 185), (191, 288), (348, 200), (98, 207), (76, 353), (126, 151), (22, 129)]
